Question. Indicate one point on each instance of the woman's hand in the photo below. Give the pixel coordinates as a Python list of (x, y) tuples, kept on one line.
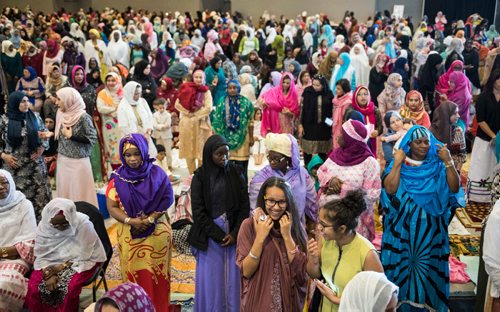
[(300, 131), (334, 186), (67, 132), (262, 228), (139, 224), (39, 151), (51, 283), (327, 292), (313, 253), (443, 153), (11, 161), (286, 224), (399, 156), (45, 135), (156, 215), (227, 241)]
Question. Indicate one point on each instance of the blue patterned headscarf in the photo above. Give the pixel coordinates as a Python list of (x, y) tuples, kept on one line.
[(426, 184), (233, 108)]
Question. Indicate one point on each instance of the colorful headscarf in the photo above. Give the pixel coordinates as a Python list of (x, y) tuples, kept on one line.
[(81, 86), (355, 149), (145, 189), (406, 112), (128, 297), (74, 109)]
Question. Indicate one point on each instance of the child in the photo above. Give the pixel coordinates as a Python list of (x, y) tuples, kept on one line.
[(396, 130), (161, 162), (259, 146), (312, 168), (162, 125)]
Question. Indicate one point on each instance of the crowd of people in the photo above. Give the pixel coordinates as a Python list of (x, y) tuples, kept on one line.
[(362, 122)]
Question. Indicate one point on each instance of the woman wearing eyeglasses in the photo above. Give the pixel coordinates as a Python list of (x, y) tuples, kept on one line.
[(284, 162), (271, 252), (219, 199), (339, 253)]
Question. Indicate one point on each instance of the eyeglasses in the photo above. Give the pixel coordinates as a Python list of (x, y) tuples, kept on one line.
[(271, 203), (275, 159), (322, 226)]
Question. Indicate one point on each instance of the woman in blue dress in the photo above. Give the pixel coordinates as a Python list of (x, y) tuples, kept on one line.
[(421, 187), (215, 79)]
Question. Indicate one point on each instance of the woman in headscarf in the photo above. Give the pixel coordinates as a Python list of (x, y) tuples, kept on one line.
[(197, 39), (339, 43), (248, 43), (271, 252), (314, 65), (460, 94), (215, 78), (95, 47), (232, 119), (342, 101), (278, 50), (369, 291), (33, 57), (33, 87), (327, 33), (338, 252), (486, 144), (212, 45), (53, 54), (89, 96), (21, 150), (159, 64), (194, 103), (362, 102), (415, 110), (401, 67), (247, 88), (134, 114), (378, 76), (443, 84), (303, 81), (138, 196), (316, 107), (55, 79), (67, 251), (220, 204), (284, 162), (107, 105), (471, 65), (254, 62), (11, 64), (170, 51), (343, 70), (76, 135), (280, 107), (17, 219), (126, 297), (76, 33), (393, 96), (118, 50), (72, 57), (429, 77), (360, 63), (453, 53), (421, 187), (448, 128), (352, 166), (143, 76)]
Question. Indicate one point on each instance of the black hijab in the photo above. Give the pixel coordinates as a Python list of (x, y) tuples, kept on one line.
[(17, 120), (430, 74), (310, 102), (139, 70)]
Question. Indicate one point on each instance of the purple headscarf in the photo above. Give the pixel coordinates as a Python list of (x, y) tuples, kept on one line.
[(354, 150), (297, 176), (145, 189), (128, 297), (159, 65)]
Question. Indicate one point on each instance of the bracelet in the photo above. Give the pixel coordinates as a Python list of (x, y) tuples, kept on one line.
[(151, 220), (293, 251), (253, 256), (127, 220), (5, 254), (448, 164)]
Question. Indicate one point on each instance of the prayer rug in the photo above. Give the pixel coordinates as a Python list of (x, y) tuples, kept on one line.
[(474, 214), (467, 245)]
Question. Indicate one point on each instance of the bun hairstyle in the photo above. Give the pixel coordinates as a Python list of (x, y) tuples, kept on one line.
[(298, 233), (346, 211)]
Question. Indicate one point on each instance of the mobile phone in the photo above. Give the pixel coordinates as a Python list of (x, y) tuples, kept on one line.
[(329, 121)]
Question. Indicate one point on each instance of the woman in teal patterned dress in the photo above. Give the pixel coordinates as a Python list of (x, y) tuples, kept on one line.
[(232, 119), (421, 187)]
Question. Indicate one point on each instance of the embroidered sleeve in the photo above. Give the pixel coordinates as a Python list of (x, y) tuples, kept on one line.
[(372, 183), (25, 250)]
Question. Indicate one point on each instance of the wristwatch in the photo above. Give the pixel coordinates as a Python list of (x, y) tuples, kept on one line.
[(5, 254), (151, 220)]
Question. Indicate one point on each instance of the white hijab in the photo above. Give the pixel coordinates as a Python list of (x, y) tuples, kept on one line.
[(79, 243), (361, 65), (17, 216), (76, 32), (118, 51), (271, 35), (368, 291)]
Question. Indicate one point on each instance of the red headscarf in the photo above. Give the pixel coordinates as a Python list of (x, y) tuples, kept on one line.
[(55, 48), (191, 94), (368, 112), (170, 93)]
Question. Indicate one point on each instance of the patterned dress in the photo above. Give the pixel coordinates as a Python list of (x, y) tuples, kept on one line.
[(365, 176), (111, 134), (31, 176)]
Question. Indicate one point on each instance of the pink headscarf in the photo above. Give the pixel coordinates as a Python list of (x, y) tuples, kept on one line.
[(276, 101), (461, 94), (148, 29), (442, 85), (340, 105), (355, 149), (74, 109)]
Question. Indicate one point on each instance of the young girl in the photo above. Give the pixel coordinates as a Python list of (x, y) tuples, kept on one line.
[(414, 109), (448, 128), (395, 130), (362, 102), (259, 146), (341, 102)]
